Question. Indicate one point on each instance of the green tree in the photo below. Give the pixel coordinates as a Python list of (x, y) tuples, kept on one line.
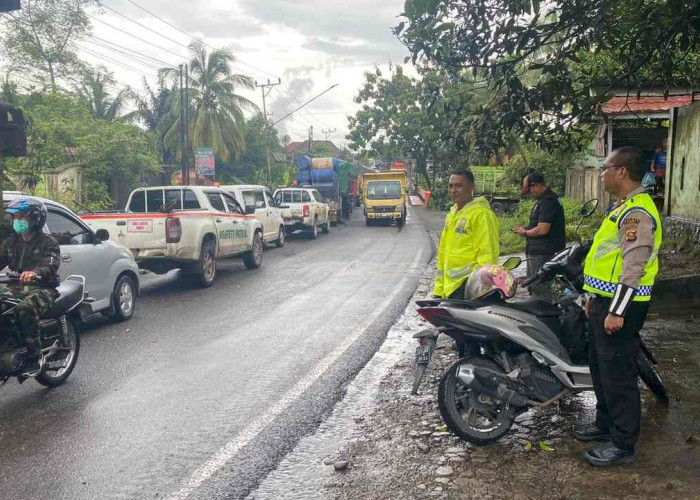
[(251, 165), (217, 118), (542, 59), (404, 117), (39, 40), (63, 131), (155, 112), (98, 88)]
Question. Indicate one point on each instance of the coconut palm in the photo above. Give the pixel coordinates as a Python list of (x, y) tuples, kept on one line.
[(154, 111), (96, 88), (217, 119)]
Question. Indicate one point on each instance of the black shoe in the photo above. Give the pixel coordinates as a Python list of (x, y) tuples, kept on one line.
[(590, 432), (608, 454)]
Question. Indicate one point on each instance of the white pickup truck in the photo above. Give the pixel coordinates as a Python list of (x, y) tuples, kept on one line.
[(303, 208), (185, 227)]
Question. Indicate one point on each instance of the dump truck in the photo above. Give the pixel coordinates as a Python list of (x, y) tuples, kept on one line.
[(334, 178), (384, 196), (495, 184)]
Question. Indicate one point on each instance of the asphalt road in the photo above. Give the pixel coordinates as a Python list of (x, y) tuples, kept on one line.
[(203, 392)]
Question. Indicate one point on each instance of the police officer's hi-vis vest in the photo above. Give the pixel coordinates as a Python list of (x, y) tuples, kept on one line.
[(604, 261)]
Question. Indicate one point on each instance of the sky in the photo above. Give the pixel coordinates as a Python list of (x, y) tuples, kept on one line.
[(309, 45)]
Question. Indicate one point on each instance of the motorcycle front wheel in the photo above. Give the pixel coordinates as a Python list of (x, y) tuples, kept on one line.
[(474, 417)]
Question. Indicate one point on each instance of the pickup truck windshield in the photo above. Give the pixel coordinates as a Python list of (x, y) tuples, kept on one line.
[(383, 190)]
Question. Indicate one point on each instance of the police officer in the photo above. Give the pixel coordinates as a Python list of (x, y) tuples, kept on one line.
[(619, 272), (35, 256), (470, 237)]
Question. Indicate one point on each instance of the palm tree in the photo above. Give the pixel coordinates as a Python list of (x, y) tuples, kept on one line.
[(95, 87), (217, 119), (154, 110)]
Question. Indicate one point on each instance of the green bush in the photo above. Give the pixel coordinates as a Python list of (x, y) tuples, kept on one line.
[(513, 243)]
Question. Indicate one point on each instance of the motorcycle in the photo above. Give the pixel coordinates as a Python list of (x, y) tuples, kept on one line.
[(58, 340), (516, 360)]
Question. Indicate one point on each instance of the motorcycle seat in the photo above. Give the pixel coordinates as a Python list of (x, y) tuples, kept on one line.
[(69, 294), (540, 308)]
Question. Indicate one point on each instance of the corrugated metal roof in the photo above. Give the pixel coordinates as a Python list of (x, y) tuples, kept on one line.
[(645, 104)]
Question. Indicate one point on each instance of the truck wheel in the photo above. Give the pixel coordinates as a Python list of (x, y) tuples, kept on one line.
[(124, 299), (313, 230), (206, 267), (280, 238), (368, 221), (253, 259), (325, 228), (498, 208)]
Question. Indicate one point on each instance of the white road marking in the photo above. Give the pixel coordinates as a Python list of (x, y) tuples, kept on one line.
[(231, 449)]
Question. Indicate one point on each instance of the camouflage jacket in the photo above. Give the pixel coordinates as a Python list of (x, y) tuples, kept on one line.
[(41, 254)]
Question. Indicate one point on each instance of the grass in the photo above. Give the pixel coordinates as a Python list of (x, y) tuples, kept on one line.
[(513, 243)]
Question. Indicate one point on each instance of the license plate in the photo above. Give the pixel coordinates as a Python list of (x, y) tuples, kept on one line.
[(423, 354)]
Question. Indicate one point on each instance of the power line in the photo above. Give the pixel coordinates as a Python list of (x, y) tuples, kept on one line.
[(160, 61), (196, 38), (138, 38), (113, 61), (135, 60), (321, 122), (143, 26)]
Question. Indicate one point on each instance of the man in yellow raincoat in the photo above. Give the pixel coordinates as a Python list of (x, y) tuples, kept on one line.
[(470, 238)]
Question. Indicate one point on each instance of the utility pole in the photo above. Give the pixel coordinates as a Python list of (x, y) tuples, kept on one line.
[(265, 92), (183, 160), (328, 132), (311, 141), (187, 123)]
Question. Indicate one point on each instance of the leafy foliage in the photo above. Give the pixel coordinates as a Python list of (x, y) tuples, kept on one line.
[(63, 132), (39, 38), (217, 117), (96, 87), (541, 59), (513, 243)]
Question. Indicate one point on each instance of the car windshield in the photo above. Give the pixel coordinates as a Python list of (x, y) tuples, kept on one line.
[(383, 190)]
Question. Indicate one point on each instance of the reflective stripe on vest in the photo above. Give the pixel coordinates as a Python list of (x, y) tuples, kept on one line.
[(604, 261)]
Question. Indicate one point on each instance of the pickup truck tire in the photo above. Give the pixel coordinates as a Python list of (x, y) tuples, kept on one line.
[(325, 228), (368, 221), (124, 299), (253, 258), (313, 230), (280, 238), (206, 267)]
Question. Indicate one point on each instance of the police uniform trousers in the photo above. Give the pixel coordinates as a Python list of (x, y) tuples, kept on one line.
[(613, 363)]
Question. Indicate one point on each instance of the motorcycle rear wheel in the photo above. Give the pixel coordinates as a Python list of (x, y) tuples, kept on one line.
[(70, 343), (651, 378), (474, 417)]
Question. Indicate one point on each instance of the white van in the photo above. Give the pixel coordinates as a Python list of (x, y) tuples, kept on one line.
[(266, 210)]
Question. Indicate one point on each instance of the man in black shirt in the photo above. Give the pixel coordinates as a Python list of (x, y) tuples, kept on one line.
[(546, 232)]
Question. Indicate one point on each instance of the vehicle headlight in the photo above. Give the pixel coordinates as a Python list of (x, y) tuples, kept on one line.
[(128, 253)]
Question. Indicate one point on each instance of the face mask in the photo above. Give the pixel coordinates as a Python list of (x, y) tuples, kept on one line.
[(20, 226)]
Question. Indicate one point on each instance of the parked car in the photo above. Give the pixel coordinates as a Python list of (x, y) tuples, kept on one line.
[(266, 210), (184, 227), (303, 209), (110, 271)]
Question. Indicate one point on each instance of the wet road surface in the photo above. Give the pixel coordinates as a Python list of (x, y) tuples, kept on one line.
[(203, 392)]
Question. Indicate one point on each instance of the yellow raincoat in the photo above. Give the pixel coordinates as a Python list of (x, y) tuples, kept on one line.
[(469, 239)]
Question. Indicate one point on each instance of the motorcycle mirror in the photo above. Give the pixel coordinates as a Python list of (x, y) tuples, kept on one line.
[(512, 263), (589, 207)]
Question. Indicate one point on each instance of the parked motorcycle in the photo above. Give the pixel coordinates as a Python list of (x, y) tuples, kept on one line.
[(519, 361), (58, 339)]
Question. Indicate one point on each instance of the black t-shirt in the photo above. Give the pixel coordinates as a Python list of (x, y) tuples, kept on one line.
[(548, 209)]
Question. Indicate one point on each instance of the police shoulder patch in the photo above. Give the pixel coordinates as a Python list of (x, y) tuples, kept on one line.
[(631, 235)]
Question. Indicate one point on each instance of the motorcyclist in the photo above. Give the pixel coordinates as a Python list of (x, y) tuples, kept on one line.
[(35, 257)]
